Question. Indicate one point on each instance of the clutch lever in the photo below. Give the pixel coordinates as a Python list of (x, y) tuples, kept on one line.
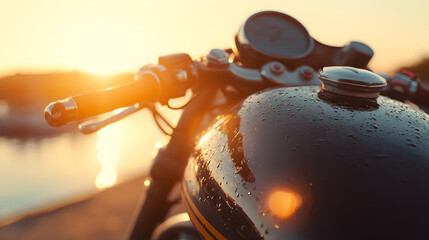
[(93, 125)]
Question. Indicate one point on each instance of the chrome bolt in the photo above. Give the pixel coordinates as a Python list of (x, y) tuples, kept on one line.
[(277, 68), (306, 73)]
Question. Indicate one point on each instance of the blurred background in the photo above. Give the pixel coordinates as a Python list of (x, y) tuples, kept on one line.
[(52, 49)]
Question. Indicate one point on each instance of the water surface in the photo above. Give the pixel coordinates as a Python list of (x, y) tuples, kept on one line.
[(38, 172)]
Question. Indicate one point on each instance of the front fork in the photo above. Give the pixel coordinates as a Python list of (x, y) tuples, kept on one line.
[(169, 166)]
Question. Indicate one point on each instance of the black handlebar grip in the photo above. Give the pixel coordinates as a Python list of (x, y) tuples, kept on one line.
[(146, 89)]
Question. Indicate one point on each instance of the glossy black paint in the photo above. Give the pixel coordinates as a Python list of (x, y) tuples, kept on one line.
[(361, 167)]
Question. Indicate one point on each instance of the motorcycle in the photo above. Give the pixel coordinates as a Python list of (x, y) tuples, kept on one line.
[(283, 137)]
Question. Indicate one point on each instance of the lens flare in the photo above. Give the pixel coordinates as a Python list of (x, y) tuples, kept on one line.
[(283, 204), (147, 182)]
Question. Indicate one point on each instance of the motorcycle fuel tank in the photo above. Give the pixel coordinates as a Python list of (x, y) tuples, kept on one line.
[(305, 163)]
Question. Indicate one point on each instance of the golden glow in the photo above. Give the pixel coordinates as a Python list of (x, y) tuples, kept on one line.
[(111, 36), (100, 37), (284, 204), (108, 155), (146, 182), (205, 138)]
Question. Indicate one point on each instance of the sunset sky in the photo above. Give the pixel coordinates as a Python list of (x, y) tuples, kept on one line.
[(112, 36)]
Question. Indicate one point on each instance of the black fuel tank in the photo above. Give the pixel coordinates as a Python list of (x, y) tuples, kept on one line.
[(300, 163)]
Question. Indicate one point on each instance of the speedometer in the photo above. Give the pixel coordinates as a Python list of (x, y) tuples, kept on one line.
[(271, 36)]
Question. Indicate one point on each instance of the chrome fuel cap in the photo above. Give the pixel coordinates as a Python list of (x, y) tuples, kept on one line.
[(352, 82)]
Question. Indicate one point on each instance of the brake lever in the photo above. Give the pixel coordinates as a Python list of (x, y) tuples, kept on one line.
[(93, 125)]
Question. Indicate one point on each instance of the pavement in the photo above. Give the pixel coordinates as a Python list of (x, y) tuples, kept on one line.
[(103, 215)]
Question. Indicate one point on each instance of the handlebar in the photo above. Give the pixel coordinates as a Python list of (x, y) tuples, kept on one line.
[(145, 89), (173, 83), (406, 86)]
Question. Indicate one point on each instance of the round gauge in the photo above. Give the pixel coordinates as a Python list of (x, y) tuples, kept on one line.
[(274, 36)]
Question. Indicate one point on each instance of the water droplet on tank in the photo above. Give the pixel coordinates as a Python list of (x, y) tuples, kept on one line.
[(411, 144)]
